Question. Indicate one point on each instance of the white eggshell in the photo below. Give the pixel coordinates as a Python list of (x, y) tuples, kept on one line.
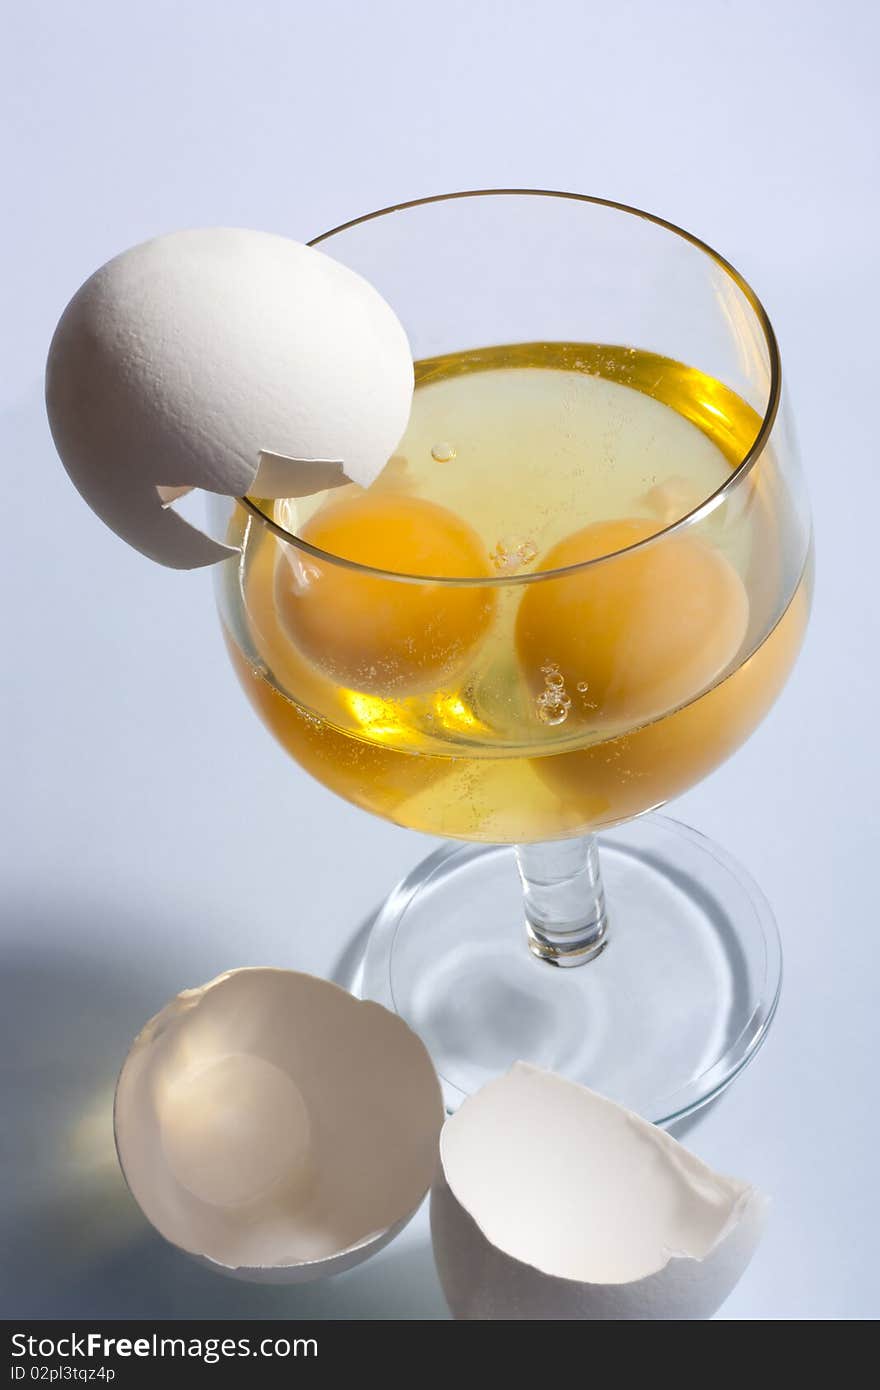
[(275, 1127), (555, 1203), (183, 360)]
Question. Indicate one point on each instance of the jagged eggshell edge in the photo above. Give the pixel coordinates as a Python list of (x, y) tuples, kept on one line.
[(183, 360), (484, 1282), (363, 1012)]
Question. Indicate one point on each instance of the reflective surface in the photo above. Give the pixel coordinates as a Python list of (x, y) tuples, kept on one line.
[(578, 585), (661, 1021)]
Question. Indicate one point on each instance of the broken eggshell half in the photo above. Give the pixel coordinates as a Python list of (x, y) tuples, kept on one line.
[(276, 1127), (555, 1203), (230, 360)]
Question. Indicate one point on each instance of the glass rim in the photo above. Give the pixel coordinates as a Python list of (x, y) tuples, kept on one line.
[(696, 514)]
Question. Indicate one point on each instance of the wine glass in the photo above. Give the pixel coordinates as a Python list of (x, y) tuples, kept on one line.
[(578, 586)]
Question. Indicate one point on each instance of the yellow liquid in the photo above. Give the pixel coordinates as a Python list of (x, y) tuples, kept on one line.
[(489, 713)]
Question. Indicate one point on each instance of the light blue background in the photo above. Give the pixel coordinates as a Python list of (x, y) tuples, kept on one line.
[(152, 832)]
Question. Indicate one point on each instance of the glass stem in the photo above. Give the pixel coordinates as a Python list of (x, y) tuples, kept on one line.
[(564, 900)]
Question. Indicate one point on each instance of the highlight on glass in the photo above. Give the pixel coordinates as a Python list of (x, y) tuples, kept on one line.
[(576, 588)]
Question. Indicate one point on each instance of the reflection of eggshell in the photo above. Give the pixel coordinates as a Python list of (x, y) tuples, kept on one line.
[(555, 1203), (183, 360), (277, 1127)]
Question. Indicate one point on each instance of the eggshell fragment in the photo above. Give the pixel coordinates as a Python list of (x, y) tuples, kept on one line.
[(556, 1203), (275, 1126), (228, 360)]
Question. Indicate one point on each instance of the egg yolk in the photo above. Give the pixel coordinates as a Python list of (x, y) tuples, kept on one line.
[(635, 636), (621, 777), (377, 634)]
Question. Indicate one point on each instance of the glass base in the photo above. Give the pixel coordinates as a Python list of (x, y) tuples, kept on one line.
[(676, 1004)]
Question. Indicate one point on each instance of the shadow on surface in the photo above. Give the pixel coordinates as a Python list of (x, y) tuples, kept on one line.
[(73, 1240)]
